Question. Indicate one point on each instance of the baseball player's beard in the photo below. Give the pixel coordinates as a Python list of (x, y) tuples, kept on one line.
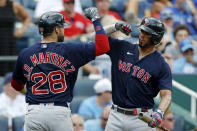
[(60, 39), (145, 45)]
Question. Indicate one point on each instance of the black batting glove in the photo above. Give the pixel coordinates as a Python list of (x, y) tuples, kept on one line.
[(123, 27), (92, 13)]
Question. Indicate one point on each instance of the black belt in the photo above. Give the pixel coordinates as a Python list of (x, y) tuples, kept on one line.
[(46, 104), (128, 112)]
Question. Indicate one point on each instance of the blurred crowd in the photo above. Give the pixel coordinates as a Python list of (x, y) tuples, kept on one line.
[(18, 30)]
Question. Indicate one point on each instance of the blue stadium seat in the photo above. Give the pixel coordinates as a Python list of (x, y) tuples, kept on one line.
[(17, 123), (84, 87), (74, 105), (3, 123)]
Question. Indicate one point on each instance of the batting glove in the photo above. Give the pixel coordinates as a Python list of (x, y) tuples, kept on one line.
[(156, 118), (92, 13), (123, 27)]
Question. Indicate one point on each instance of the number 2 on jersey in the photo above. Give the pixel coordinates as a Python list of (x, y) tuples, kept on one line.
[(52, 82)]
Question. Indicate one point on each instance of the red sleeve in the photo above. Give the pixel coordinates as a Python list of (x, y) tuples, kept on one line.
[(102, 44), (16, 85)]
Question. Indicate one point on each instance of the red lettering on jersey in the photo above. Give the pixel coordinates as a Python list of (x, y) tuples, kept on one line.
[(70, 70), (65, 64), (128, 69), (120, 64), (52, 57), (146, 77), (41, 58), (34, 60), (55, 59), (59, 61), (38, 84), (140, 73), (135, 69), (47, 57), (27, 68)]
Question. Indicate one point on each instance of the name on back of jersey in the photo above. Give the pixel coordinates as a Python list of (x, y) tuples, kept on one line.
[(50, 58)]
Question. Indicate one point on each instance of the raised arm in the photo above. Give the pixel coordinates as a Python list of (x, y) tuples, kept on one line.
[(101, 39), (124, 27)]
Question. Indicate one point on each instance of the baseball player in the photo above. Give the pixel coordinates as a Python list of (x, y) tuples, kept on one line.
[(139, 73), (49, 71)]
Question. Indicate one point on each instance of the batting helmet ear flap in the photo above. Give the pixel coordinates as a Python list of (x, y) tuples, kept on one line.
[(156, 39)]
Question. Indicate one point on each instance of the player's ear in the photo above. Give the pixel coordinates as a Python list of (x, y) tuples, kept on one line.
[(56, 30)]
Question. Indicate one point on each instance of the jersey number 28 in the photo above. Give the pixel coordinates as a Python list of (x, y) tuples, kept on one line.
[(52, 82)]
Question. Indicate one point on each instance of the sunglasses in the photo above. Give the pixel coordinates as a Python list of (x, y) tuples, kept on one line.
[(77, 124)]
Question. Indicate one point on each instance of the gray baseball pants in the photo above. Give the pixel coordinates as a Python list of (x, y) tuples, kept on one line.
[(121, 122), (48, 118)]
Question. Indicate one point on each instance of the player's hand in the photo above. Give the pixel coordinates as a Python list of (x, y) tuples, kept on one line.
[(156, 118), (123, 27), (92, 13)]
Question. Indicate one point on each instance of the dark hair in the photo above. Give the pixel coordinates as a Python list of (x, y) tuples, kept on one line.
[(180, 27)]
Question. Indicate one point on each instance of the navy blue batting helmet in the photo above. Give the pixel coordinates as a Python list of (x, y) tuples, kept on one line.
[(154, 27), (49, 21)]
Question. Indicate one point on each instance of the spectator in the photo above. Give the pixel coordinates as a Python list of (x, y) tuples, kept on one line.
[(31, 35), (180, 33), (98, 124), (78, 23), (104, 9), (53, 5), (168, 121), (168, 58), (8, 12), (157, 7), (166, 17), (12, 103), (185, 15), (92, 107), (118, 6), (188, 63), (136, 9), (78, 122), (47, 5)]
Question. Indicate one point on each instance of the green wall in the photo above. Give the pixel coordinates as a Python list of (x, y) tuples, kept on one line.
[(178, 96)]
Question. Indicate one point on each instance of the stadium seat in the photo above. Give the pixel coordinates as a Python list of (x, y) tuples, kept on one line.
[(74, 106), (84, 87), (4, 124), (17, 123)]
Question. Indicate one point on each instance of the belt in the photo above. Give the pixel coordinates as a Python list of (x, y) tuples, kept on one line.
[(134, 111), (51, 104)]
